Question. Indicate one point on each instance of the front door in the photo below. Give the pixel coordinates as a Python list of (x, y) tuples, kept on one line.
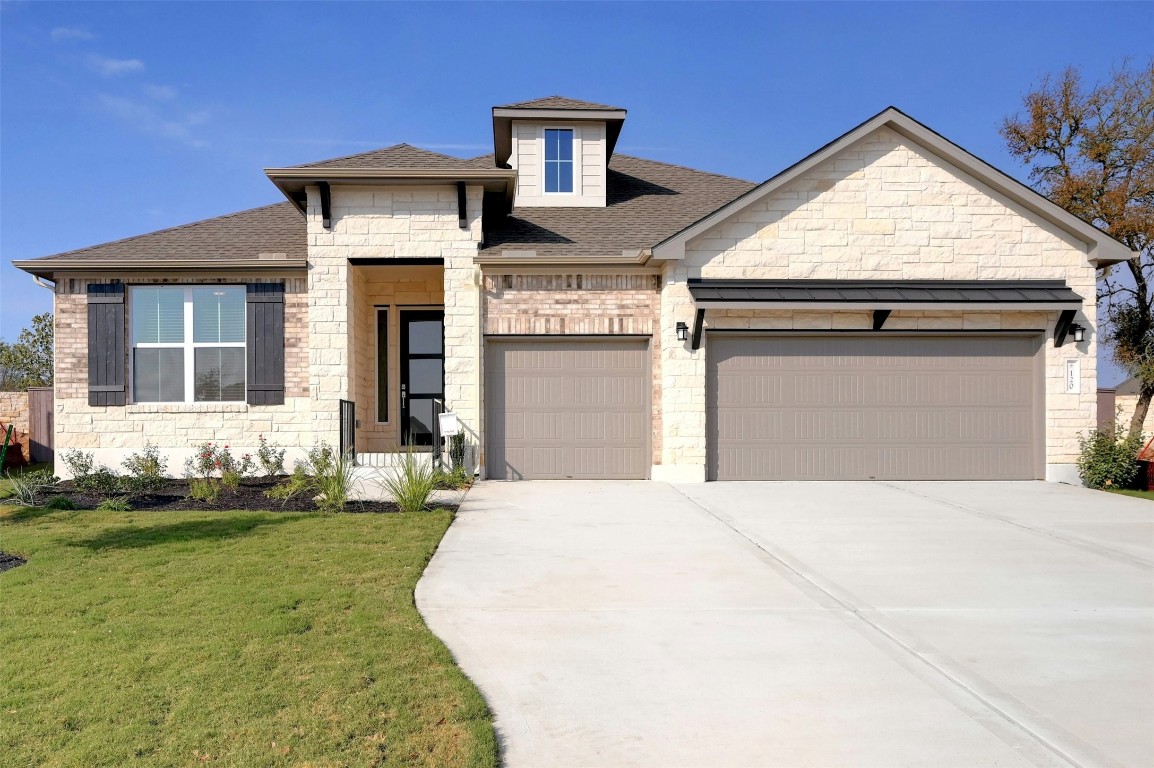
[(422, 374)]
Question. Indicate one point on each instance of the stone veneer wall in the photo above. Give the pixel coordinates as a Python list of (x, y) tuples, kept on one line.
[(380, 223), (882, 208), (14, 410), (111, 432), (578, 304)]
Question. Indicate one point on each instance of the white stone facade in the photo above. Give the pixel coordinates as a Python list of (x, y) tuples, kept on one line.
[(882, 208)]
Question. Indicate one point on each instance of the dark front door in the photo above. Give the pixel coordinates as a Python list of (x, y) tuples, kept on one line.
[(422, 374)]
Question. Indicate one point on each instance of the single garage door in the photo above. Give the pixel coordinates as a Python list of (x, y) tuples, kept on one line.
[(850, 407), (558, 409)]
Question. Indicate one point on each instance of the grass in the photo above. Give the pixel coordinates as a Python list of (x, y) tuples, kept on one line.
[(6, 484), (1137, 494), (230, 639)]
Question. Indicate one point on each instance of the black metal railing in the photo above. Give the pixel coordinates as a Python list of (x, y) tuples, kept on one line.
[(349, 430)]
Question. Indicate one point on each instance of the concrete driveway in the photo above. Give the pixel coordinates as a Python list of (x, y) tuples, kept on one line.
[(804, 624)]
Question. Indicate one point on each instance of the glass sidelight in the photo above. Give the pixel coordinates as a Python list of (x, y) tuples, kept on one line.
[(422, 374)]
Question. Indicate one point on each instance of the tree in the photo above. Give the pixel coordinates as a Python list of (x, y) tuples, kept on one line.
[(28, 361), (1091, 151)]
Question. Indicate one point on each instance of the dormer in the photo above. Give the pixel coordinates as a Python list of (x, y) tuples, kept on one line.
[(560, 149)]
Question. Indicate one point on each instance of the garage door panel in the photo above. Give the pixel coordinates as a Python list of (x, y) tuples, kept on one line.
[(567, 409), (856, 407)]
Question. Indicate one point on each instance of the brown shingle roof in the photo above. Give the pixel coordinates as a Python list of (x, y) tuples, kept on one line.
[(647, 201), (277, 228), (403, 156), (558, 102)]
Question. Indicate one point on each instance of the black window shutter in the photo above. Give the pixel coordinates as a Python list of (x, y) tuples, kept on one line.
[(265, 343), (106, 358)]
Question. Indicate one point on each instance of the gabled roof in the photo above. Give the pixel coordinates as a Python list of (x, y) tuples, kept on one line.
[(1103, 249), (272, 237), (646, 201), (559, 102), (399, 156)]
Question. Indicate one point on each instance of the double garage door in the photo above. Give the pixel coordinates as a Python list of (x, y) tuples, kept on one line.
[(567, 409), (846, 407)]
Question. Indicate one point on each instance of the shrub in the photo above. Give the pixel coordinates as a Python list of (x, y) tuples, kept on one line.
[(146, 472), (61, 502), (324, 476), (230, 479), (101, 482), (29, 487), (271, 459), (453, 480), (457, 451), (207, 490), (298, 482), (203, 463), (1108, 459), (411, 483), (79, 463), (115, 504)]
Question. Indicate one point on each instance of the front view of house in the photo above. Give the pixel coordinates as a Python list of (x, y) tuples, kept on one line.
[(890, 307)]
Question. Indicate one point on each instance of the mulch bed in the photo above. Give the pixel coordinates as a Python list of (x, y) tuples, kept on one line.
[(249, 496), (8, 562)]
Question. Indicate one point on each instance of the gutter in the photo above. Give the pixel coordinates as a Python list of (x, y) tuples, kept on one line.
[(46, 268), (628, 258)]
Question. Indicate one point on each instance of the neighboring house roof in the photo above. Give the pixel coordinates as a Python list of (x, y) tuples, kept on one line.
[(646, 201), (266, 237), (400, 156), (558, 102), (1130, 386), (1103, 248)]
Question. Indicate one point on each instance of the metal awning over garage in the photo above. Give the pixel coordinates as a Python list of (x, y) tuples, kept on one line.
[(883, 296)]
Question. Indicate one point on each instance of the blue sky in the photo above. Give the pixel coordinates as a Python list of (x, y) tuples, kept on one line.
[(123, 118)]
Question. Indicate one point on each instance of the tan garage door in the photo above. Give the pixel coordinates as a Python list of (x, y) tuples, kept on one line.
[(567, 409), (882, 407)]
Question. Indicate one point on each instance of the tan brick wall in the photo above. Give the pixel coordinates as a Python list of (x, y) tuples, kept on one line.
[(882, 209), (575, 304), (111, 432)]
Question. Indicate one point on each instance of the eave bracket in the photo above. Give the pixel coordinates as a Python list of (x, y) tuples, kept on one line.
[(326, 204), (880, 317), (698, 326), (1062, 329)]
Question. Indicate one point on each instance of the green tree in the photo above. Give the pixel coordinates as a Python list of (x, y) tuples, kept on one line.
[(1091, 151), (28, 361)]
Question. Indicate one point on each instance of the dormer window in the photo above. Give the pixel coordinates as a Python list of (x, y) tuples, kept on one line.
[(559, 160)]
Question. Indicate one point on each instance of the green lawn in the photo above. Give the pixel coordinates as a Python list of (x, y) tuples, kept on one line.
[(1137, 494), (238, 639)]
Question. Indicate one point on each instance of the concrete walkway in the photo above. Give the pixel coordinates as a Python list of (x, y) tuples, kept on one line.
[(789, 624)]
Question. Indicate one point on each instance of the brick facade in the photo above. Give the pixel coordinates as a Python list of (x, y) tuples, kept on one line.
[(577, 304), (112, 432)]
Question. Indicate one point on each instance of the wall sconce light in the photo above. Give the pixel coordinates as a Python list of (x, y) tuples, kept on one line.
[(1079, 332), (682, 332)]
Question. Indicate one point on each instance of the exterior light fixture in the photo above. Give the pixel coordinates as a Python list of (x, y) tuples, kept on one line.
[(682, 332), (1079, 332)]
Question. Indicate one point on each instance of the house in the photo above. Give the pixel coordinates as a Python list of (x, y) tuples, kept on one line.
[(888, 307), (1118, 402)]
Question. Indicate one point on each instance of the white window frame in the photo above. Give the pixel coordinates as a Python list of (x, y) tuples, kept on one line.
[(576, 160), (188, 345)]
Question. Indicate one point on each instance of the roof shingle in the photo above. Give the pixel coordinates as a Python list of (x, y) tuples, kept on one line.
[(277, 228), (646, 202), (559, 102), (401, 156)]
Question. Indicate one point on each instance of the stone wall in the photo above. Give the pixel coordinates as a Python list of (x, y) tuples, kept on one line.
[(883, 208), (111, 432), (14, 410), (576, 304), (403, 222)]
